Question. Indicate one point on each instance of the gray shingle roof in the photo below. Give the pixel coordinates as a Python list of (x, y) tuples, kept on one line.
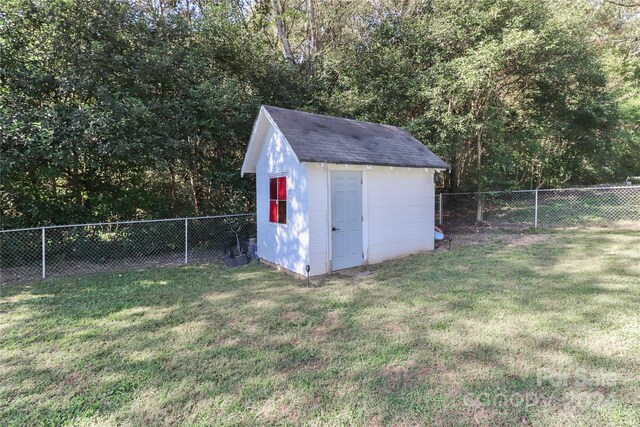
[(326, 139)]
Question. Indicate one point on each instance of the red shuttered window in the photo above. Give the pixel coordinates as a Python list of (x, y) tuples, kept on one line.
[(282, 188), (273, 211), (278, 200)]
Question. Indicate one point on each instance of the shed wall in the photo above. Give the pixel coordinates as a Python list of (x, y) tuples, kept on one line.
[(401, 212), (398, 212), (319, 224), (287, 244)]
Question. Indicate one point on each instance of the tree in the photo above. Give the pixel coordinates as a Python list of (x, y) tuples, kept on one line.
[(119, 110), (114, 112)]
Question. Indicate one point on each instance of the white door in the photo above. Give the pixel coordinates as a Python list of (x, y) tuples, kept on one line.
[(346, 219)]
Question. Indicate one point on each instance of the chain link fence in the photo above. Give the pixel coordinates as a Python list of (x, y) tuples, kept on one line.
[(33, 253), (541, 208)]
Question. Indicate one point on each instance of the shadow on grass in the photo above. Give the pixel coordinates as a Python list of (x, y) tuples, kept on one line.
[(421, 341)]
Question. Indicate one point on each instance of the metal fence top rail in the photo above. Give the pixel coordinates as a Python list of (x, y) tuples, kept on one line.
[(620, 187), (140, 221)]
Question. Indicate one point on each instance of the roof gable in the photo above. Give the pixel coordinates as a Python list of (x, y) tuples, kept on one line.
[(257, 140)]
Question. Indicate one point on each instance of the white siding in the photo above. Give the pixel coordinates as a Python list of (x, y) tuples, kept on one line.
[(284, 245), (318, 219), (401, 212), (398, 210)]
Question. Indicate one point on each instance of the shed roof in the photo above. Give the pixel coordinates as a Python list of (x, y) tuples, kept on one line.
[(326, 139)]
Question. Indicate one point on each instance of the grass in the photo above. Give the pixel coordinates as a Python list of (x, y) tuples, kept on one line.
[(451, 338)]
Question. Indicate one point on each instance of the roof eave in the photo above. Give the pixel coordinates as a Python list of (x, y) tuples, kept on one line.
[(388, 164), (249, 162), (255, 143)]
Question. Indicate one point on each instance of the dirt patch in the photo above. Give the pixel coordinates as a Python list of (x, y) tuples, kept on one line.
[(293, 316), (408, 374), (392, 329), (357, 272), (75, 378), (280, 410), (479, 236), (326, 328), (529, 239), (229, 342)]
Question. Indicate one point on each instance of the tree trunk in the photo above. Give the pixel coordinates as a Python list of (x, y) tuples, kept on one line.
[(313, 34), (278, 10), (174, 186), (194, 192)]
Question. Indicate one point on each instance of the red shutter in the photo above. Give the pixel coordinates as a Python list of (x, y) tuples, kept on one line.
[(282, 188), (273, 188)]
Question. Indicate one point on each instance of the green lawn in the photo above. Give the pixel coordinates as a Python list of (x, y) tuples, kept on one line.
[(451, 338)]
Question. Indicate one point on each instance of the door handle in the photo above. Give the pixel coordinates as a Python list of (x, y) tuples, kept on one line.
[(334, 229)]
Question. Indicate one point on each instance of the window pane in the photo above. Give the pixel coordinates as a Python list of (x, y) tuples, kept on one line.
[(282, 188), (282, 212), (273, 211), (273, 188)]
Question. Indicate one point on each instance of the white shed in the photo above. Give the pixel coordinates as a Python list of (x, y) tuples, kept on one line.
[(336, 193)]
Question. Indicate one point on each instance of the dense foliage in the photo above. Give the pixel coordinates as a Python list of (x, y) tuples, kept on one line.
[(136, 109)]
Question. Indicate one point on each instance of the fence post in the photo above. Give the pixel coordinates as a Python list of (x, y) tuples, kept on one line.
[(535, 220), (440, 209), (44, 254), (186, 240)]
